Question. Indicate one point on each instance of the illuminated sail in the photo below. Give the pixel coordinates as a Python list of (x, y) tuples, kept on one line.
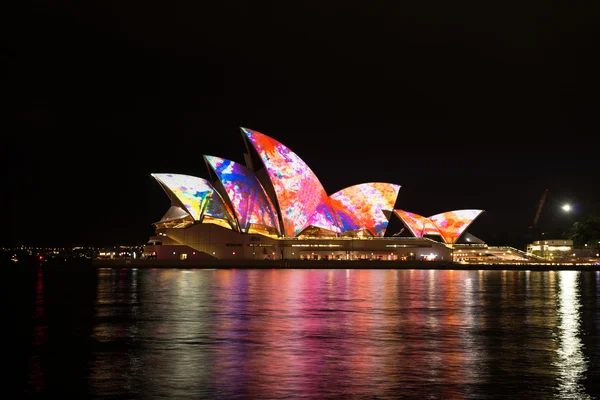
[(366, 203), (452, 224), (249, 199), (301, 198), (418, 225), (197, 196)]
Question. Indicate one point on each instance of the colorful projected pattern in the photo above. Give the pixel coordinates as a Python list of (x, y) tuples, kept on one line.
[(196, 194), (417, 224), (191, 191), (452, 224), (216, 208), (366, 202), (348, 221), (250, 201), (325, 216), (301, 197)]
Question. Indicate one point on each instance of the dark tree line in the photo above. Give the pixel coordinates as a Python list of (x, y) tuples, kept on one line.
[(586, 231)]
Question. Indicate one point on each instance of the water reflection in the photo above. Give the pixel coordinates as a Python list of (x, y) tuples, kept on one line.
[(352, 334), (35, 373), (571, 362), (155, 333)]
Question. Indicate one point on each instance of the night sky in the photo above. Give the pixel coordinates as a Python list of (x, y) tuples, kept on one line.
[(465, 104)]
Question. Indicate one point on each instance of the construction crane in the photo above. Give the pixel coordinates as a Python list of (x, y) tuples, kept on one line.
[(539, 209)]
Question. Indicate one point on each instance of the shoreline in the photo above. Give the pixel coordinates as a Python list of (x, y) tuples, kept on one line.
[(331, 264)]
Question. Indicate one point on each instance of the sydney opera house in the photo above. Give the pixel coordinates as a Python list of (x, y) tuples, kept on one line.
[(274, 207)]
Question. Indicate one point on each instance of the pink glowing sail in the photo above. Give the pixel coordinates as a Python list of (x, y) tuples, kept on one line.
[(249, 199), (366, 203), (452, 224), (197, 196), (301, 198), (418, 225)]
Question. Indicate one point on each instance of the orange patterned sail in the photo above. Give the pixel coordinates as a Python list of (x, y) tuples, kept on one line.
[(452, 224), (417, 224), (301, 197)]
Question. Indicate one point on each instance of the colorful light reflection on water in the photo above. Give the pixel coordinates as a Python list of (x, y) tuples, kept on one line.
[(270, 334)]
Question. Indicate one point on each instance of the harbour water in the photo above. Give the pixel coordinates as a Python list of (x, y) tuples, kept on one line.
[(313, 334)]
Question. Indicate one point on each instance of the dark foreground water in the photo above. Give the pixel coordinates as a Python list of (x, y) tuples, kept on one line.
[(314, 334)]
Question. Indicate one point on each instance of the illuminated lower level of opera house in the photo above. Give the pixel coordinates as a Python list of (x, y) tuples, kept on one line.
[(275, 207)]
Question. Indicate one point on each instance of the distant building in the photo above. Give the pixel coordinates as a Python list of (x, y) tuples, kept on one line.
[(274, 207), (556, 249), (119, 252), (562, 250)]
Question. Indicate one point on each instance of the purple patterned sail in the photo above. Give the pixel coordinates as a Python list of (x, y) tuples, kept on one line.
[(249, 199), (366, 203)]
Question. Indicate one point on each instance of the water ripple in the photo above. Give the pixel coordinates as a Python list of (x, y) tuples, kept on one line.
[(322, 334)]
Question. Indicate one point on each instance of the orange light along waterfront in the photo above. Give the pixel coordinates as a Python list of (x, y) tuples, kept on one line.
[(125, 256), (342, 264)]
